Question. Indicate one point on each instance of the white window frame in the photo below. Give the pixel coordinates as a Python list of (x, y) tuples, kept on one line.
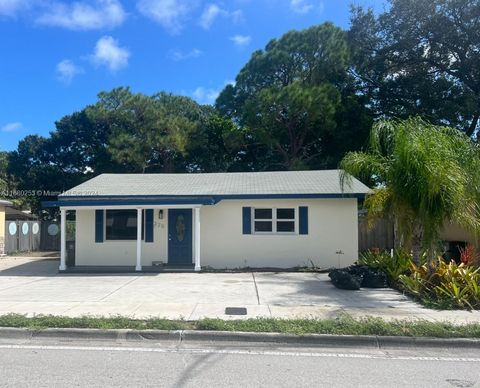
[(274, 220)]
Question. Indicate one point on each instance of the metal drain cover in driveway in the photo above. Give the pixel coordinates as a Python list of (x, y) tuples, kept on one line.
[(235, 311)]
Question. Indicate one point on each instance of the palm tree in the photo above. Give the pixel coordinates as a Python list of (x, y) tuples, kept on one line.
[(423, 176)]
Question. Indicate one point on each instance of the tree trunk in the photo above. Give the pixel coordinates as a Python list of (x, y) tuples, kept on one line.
[(473, 126), (417, 242), (397, 236), (431, 259)]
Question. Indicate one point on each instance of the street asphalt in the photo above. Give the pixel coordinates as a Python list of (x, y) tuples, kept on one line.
[(51, 363)]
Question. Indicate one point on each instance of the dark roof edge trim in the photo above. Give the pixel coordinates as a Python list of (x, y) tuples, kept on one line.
[(130, 201), (182, 200)]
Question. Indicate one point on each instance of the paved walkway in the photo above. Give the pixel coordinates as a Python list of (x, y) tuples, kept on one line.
[(33, 286)]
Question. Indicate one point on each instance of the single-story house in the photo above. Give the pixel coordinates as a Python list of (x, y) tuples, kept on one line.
[(219, 220), (3, 207)]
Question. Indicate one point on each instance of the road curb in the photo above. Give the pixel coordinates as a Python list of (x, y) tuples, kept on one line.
[(325, 340), (224, 337)]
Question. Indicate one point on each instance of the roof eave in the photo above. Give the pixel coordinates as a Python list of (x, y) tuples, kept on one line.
[(4, 202), (141, 200)]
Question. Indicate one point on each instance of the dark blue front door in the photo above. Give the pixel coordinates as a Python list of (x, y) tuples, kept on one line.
[(180, 237)]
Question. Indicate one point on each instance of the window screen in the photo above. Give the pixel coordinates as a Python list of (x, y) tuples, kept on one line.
[(121, 225)]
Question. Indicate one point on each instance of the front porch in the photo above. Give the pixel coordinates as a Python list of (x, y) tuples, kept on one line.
[(126, 239)]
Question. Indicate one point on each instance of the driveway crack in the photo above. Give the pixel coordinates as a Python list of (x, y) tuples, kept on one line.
[(118, 289), (256, 288), (191, 314)]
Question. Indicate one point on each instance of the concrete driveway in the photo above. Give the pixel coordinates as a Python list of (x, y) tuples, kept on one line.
[(33, 286)]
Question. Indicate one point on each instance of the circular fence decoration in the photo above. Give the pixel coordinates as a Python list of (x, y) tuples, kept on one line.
[(12, 228), (25, 228), (35, 228), (52, 229)]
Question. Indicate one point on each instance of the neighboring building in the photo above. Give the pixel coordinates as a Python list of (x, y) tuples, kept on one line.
[(3, 206), (12, 214), (455, 238), (222, 220)]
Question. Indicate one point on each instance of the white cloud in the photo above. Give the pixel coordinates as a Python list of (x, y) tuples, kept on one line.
[(67, 70), (208, 95), (12, 7), (170, 14), (241, 40), (205, 95), (212, 11), (108, 53), (304, 6), (179, 55), (237, 16), (12, 127), (84, 15)]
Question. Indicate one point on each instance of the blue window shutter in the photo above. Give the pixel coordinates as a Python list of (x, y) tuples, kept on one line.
[(99, 226), (149, 225), (303, 219), (247, 220)]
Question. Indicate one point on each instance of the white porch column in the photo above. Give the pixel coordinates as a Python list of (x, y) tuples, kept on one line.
[(138, 267), (197, 239), (63, 239)]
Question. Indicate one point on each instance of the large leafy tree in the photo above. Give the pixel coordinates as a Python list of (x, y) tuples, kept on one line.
[(423, 176), (73, 153), (123, 132), (296, 103), (420, 57), (286, 120), (34, 172), (3, 172), (163, 132), (220, 146), (80, 144)]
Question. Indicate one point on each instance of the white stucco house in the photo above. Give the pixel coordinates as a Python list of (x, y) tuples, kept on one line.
[(220, 220)]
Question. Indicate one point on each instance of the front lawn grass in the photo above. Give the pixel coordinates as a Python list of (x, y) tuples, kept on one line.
[(343, 325)]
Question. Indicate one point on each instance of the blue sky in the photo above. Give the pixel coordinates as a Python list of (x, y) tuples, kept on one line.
[(56, 55)]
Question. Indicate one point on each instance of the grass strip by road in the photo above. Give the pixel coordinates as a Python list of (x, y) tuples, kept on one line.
[(343, 325)]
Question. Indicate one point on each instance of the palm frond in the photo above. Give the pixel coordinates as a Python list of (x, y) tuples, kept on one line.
[(422, 173)]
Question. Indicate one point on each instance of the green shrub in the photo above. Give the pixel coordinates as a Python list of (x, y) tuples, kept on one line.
[(444, 285), (394, 266)]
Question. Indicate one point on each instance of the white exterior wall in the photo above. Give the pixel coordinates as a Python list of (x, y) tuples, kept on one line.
[(333, 227), (88, 252)]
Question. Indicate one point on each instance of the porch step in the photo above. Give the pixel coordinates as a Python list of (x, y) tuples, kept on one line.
[(169, 268), (128, 269)]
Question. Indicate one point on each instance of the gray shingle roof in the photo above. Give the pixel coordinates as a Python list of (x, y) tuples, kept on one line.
[(241, 183)]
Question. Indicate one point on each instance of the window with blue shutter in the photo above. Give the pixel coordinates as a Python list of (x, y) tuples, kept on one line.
[(303, 220), (99, 226), (247, 220), (149, 225)]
